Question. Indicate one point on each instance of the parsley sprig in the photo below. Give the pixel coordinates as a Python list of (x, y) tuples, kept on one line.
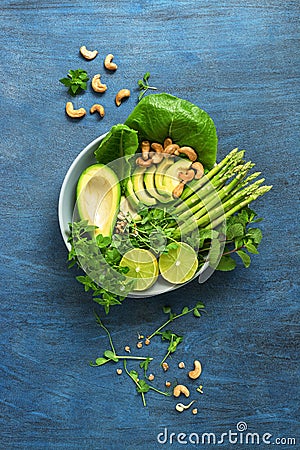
[(144, 85), (76, 81)]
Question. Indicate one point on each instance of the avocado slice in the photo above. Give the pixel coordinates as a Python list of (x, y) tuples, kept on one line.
[(159, 176), (139, 187), (171, 179), (130, 194), (127, 209), (98, 196), (150, 186)]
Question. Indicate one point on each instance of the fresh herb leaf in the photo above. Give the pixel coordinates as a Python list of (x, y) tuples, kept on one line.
[(226, 264), (144, 85), (76, 81), (244, 257)]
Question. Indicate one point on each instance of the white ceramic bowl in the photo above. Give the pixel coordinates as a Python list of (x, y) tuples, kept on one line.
[(67, 199)]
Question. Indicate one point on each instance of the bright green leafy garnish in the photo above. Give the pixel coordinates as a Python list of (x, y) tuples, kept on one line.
[(144, 85), (100, 258), (76, 81)]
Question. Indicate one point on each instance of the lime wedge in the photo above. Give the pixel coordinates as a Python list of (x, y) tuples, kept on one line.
[(143, 268), (179, 265)]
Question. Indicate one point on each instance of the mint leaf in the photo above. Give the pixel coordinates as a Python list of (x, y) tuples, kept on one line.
[(251, 248), (244, 257), (226, 264)]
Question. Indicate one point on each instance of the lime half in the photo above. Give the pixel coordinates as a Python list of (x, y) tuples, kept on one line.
[(143, 268), (179, 265)]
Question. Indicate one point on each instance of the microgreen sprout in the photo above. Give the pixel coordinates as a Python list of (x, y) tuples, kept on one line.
[(111, 355), (144, 85), (172, 316), (142, 386)]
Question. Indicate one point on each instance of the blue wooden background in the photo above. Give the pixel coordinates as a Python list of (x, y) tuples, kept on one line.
[(238, 60)]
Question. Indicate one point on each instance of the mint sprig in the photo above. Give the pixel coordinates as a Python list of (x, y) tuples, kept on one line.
[(76, 81)]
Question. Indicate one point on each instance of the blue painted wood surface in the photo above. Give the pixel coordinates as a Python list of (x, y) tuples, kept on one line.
[(240, 62)]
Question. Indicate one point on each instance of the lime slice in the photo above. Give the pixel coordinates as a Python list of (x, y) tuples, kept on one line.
[(143, 268), (179, 265)]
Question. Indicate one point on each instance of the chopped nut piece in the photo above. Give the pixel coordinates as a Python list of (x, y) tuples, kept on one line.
[(119, 371), (181, 365), (151, 377), (165, 366), (195, 411)]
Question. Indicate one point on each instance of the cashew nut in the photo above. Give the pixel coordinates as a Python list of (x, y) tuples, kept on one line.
[(181, 389), (187, 175), (180, 407), (141, 162), (198, 167), (170, 149), (98, 108), (74, 113), (145, 149), (194, 374), (157, 158), (178, 190), (97, 85), (109, 65), (188, 151), (87, 54), (167, 141), (158, 148), (123, 93)]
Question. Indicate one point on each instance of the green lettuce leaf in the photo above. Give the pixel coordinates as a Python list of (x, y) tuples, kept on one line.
[(158, 116), (120, 141)]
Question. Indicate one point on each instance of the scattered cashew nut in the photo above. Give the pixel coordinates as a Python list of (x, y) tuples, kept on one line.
[(157, 158), (181, 389), (143, 163), (167, 141), (198, 167), (145, 149), (109, 65), (74, 113), (178, 190), (97, 85), (123, 93), (87, 54), (188, 151), (187, 175), (194, 374), (180, 407), (98, 108), (171, 149), (158, 148)]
